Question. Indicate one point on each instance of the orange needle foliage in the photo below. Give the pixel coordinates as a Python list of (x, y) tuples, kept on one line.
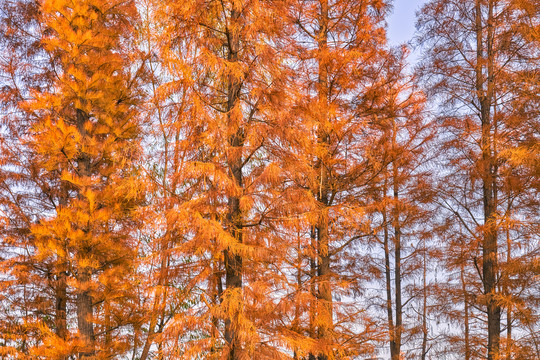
[(78, 155), (329, 160), (262, 179), (225, 75), (485, 70)]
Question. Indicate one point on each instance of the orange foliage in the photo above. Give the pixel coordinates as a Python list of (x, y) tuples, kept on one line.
[(226, 179)]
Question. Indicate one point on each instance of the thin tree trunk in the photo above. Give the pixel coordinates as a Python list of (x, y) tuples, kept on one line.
[(216, 298), (61, 283), (388, 276), (233, 261), (324, 288), (397, 249), (296, 327), (61, 301), (313, 286), (466, 315), (85, 314), (484, 89), (389, 303), (509, 344), (424, 303), (324, 291)]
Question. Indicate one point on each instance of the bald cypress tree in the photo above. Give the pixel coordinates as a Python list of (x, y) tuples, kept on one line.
[(76, 132)]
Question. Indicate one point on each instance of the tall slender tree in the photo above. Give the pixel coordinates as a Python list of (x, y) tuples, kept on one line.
[(225, 54), (77, 149), (336, 47), (401, 198), (473, 56), (22, 292)]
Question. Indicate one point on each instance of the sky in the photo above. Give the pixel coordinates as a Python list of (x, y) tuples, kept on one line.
[(401, 21)]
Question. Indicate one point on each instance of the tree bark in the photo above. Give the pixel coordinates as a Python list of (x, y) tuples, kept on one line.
[(85, 314), (313, 286), (398, 329), (61, 302), (61, 281), (84, 301), (509, 344), (388, 276), (233, 260), (424, 304), (485, 91), (324, 289), (466, 334)]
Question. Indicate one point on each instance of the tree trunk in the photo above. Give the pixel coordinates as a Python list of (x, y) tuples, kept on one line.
[(324, 293), (324, 288), (507, 291), (233, 261), (466, 310), (61, 281), (424, 304), (484, 87), (217, 296), (85, 314), (313, 286), (84, 300), (388, 277), (397, 249), (296, 326), (61, 302)]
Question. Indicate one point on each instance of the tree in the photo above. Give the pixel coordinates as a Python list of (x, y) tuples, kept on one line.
[(221, 55), (77, 148), (400, 208), (337, 45), (22, 297), (474, 54)]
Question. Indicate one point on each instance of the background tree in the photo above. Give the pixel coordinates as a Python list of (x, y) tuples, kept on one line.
[(400, 208), (226, 179), (328, 162), (470, 66), (23, 300)]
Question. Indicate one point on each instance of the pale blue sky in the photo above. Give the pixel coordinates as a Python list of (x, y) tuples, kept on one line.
[(401, 21)]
